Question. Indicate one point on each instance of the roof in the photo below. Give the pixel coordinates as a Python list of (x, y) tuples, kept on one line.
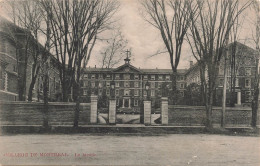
[(153, 71)]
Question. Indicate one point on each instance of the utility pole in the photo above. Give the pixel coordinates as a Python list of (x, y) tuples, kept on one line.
[(224, 97)]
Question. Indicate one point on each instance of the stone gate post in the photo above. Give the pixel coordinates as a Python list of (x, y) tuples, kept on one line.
[(93, 109), (147, 112), (112, 111), (164, 110)]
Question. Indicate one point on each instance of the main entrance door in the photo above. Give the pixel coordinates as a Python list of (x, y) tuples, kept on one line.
[(128, 111)]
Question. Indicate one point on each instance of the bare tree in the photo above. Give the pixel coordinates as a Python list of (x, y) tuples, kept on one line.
[(114, 50), (27, 15), (75, 26), (210, 29), (255, 102), (171, 18)]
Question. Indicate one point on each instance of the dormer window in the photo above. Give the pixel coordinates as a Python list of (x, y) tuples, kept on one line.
[(167, 78), (160, 77), (136, 77), (117, 76), (152, 77), (126, 76)]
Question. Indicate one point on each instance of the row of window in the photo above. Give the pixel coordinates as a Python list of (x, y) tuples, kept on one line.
[(127, 77), (247, 82)]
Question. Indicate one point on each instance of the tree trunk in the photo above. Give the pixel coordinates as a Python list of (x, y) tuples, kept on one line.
[(30, 92), (45, 99), (255, 97)]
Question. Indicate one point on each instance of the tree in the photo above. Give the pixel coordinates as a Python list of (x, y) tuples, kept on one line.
[(113, 52), (209, 32), (172, 19), (75, 26), (255, 101), (27, 14)]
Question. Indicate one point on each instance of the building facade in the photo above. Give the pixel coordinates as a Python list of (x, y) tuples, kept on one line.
[(13, 69), (241, 68), (130, 83)]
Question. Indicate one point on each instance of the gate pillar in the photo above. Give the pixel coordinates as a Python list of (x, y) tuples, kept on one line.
[(164, 110), (112, 111), (147, 112), (93, 109)]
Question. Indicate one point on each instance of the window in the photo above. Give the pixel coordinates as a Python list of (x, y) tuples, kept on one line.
[(100, 92), (182, 94), (145, 93), (117, 92), (159, 84), (92, 84), (86, 76), (108, 84), (160, 77), (152, 84), (159, 92), (237, 82), (14, 68), (117, 76), (136, 92), (136, 102), (93, 76), (126, 76), (182, 86), (85, 92), (108, 92), (152, 77), (167, 78), (126, 92), (247, 83), (100, 85), (152, 93), (221, 82), (100, 76), (145, 77), (117, 84), (181, 78), (247, 96), (117, 102), (248, 71), (136, 84), (136, 77), (126, 84), (54, 85)]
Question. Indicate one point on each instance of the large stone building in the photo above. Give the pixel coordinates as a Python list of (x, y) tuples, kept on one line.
[(130, 81), (13, 69), (242, 72), (130, 84)]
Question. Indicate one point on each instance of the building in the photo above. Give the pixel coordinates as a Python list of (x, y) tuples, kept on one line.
[(15, 74), (130, 84), (240, 67)]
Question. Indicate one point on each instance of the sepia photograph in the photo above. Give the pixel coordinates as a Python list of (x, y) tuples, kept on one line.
[(130, 82)]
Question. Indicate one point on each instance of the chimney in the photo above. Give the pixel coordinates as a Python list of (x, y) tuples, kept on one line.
[(95, 66), (191, 64)]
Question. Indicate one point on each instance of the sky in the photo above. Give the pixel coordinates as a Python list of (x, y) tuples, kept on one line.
[(144, 40)]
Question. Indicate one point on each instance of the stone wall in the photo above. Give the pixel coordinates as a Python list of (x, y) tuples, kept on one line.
[(196, 115), (25, 113)]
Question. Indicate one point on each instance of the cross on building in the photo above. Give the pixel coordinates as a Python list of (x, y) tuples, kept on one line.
[(127, 60)]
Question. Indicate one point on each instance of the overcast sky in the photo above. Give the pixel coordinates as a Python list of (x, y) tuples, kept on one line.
[(144, 40)]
